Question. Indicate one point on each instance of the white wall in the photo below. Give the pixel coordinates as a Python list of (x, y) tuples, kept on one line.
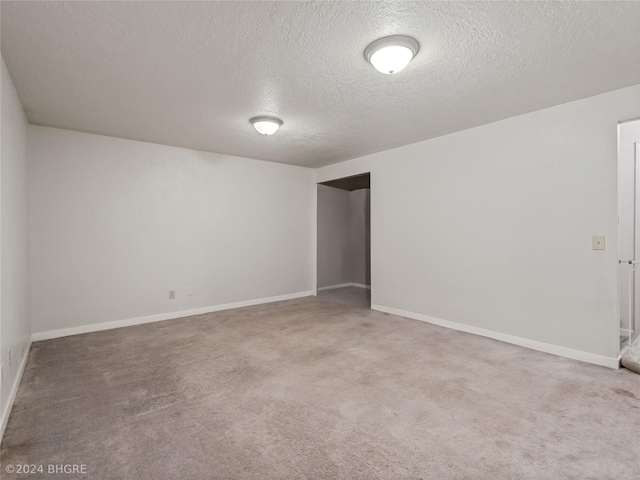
[(491, 227), (360, 239), (117, 223), (334, 240), (15, 321)]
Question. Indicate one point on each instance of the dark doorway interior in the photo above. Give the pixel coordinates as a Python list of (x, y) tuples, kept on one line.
[(344, 241)]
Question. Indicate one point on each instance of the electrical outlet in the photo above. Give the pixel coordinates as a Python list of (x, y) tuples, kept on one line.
[(172, 294), (9, 357)]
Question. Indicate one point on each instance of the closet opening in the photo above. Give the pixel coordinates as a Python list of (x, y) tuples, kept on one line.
[(344, 241)]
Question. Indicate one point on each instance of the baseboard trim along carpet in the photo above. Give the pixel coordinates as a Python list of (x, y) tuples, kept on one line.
[(344, 285), (14, 390), (96, 327), (504, 337)]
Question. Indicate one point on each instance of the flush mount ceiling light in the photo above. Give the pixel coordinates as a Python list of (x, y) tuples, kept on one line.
[(266, 125), (391, 54)]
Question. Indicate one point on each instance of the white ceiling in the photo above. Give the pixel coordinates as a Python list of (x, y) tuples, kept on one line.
[(191, 74)]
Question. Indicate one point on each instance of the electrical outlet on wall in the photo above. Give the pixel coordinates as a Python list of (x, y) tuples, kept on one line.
[(9, 357), (172, 294)]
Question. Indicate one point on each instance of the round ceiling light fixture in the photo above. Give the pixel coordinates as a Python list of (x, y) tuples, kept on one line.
[(266, 125), (391, 54)]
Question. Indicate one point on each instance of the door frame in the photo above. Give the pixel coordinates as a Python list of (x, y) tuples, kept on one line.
[(314, 269), (636, 234)]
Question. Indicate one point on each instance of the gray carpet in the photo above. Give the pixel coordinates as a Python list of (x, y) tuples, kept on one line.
[(313, 389), (351, 296)]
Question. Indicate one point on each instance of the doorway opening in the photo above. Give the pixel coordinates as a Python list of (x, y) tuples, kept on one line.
[(629, 234), (344, 241)]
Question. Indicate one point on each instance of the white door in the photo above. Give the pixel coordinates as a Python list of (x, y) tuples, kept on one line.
[(629, 227)]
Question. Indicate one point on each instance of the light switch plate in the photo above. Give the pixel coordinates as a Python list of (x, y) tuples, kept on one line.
[(597, 242)]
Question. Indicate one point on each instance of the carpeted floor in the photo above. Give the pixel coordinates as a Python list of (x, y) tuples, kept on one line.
[(351, 296), (313, 389)]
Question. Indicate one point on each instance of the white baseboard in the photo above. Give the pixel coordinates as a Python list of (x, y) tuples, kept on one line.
[(523, 342), (14, 390), (344, 285), (333, 287), (96, 327)]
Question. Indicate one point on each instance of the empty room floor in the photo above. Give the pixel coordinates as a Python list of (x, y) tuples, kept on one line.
[(351, 296), (308, 388)]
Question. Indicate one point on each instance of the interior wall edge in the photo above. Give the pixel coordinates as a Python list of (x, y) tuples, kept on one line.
[(15, 278), (176, 148), (344, 285), (14, 390), (128, 322), (558, 350)]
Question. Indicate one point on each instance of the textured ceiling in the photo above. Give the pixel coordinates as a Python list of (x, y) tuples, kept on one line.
[(191, 74)]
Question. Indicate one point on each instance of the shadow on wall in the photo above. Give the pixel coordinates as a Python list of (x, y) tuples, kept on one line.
[(360, 228)]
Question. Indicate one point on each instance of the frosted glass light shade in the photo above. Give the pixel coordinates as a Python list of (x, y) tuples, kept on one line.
[(391, 54), (266, 125)]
